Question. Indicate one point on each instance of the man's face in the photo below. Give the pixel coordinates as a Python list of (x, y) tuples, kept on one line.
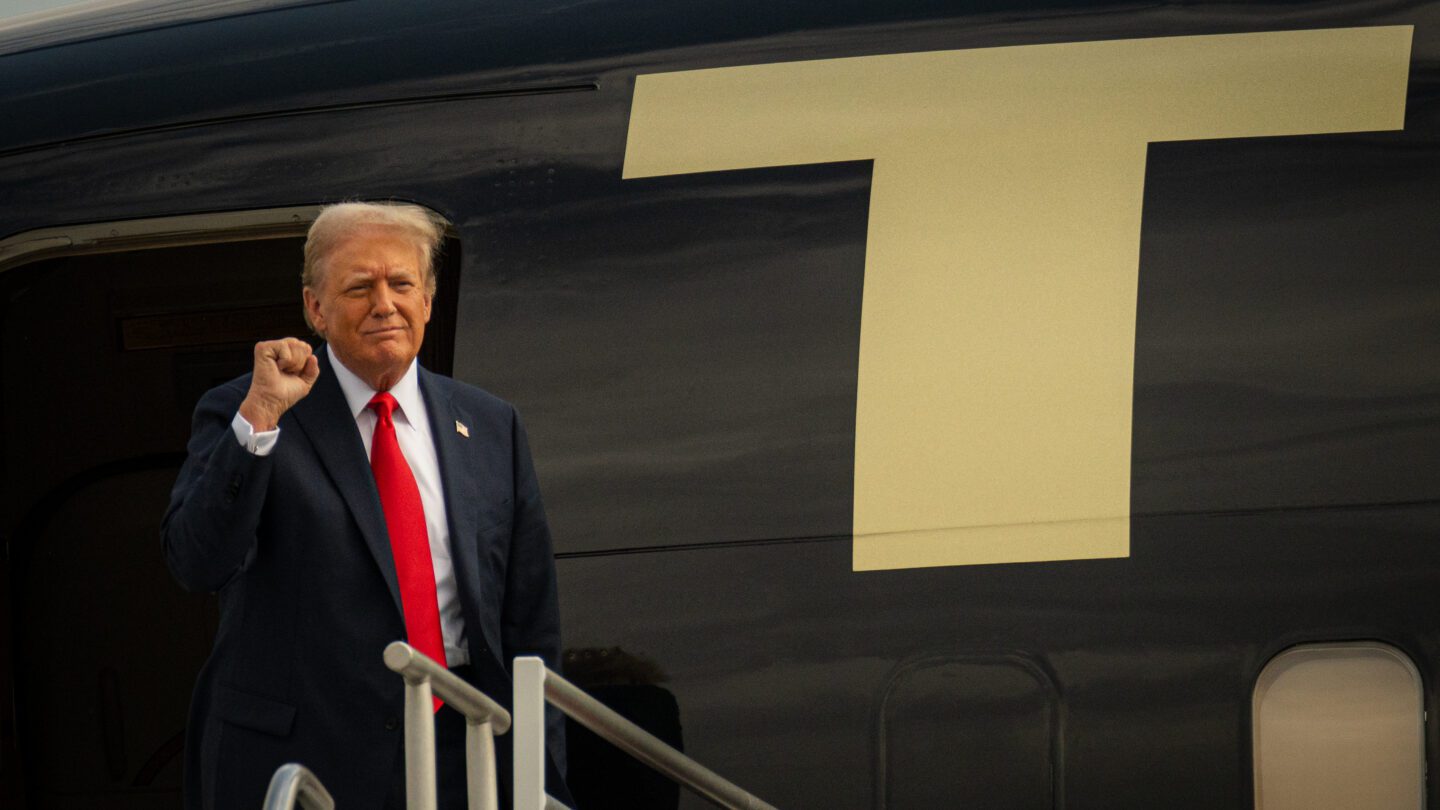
[(371, 304)]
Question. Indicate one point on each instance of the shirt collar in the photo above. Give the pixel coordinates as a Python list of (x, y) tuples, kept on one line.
[(358, 393)]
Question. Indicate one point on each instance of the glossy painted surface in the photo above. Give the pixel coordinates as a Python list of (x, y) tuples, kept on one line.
[(1154, 657), (684, 351)]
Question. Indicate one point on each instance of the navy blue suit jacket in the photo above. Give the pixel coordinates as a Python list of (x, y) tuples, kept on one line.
[(295, 544)]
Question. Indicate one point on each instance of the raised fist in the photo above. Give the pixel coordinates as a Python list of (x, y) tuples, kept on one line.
[(285, 370)]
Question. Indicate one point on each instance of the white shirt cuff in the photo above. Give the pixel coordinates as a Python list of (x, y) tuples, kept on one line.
[(259, 444)]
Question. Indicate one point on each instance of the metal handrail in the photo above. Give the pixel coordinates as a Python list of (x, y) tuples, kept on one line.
[(484, 719), (533, 678), (412, 664), (295, 783)]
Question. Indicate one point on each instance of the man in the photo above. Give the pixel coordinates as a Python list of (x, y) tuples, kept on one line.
[(344, 498)]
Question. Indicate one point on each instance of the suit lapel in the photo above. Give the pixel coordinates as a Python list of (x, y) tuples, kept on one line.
[(325, 418), (456, 455)]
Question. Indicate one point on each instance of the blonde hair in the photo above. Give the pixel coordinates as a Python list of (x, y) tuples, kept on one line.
[(338, 221)]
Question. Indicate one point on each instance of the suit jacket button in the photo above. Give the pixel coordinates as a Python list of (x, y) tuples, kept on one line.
[(392, 723)]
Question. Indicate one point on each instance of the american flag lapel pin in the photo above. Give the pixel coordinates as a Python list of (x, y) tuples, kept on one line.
[(461, 429)]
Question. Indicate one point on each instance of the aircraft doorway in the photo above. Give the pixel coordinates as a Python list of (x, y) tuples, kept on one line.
[(105, 355)]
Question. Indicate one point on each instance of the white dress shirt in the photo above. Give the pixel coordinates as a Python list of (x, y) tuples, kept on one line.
[(412, 431)]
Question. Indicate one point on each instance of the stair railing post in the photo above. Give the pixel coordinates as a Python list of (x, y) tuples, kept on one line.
[(484, 719), (294, 785), (529, 729), (480, 765), (419, 744)]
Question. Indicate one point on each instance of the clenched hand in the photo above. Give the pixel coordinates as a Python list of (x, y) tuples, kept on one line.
[(285, 370)]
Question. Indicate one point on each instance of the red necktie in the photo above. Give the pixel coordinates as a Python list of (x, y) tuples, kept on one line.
[(409, 539)]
